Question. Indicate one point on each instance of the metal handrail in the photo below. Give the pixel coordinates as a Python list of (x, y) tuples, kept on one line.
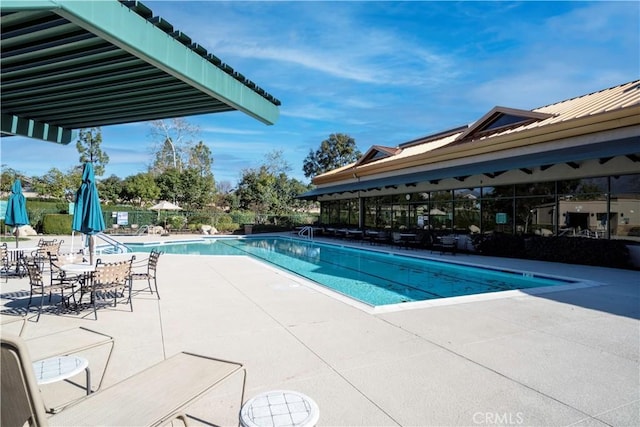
[(118, 247), (306, 231)]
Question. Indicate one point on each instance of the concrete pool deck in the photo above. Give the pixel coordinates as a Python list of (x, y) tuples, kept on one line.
[(568, 357)]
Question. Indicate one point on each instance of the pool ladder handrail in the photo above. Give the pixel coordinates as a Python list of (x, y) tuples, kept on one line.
[(117, 247), (306, 232)]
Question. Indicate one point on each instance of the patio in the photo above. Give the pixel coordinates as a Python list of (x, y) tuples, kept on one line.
[(560, 358)]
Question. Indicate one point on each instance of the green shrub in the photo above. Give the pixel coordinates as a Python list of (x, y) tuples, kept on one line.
[(57, 224), (222, 219), (36, 215), (176, 222), (300, 218), (200, 218), (242, 217), (227, 227)]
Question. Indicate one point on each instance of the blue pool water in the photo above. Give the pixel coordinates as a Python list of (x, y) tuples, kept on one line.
[(372, 277)]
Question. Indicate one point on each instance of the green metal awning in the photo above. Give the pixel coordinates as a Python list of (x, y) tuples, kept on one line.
[(76, 64)]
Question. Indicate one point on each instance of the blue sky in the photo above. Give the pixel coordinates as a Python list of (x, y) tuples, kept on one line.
[(382, 72)]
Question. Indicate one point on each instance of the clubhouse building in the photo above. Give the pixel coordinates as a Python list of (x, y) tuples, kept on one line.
[(569, 168)]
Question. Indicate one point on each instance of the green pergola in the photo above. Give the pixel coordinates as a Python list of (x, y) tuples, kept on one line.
[(76, 64)]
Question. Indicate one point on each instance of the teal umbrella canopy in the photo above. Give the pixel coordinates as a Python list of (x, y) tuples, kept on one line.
[(16, 214), (87, 214)]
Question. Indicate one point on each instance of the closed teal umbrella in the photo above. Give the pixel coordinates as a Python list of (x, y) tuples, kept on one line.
[(16, 214), (87, 214)]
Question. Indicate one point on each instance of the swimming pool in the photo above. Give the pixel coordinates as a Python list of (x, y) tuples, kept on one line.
[(372, 277)]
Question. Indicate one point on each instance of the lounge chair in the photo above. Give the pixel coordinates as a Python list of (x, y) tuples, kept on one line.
[(154, 396)]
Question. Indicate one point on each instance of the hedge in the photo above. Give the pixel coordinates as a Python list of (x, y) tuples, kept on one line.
[(568, 250), (57, 224)]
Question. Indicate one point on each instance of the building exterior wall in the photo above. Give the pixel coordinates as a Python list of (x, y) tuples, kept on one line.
[(598, 207)]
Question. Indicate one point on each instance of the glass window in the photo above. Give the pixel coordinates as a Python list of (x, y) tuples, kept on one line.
[(467, 210), (625, 207), (497, 206), (580, 203), (441, 211)]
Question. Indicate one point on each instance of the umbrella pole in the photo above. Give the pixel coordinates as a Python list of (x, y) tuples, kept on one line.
[(92, 248), (17, 233)]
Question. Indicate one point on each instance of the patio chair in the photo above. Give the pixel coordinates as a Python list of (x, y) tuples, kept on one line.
[(45, 247), (445, 244), (37, 285), (111, 280), (5, 265), (59, 276), (383, 237), (147, 270), (154, 396)]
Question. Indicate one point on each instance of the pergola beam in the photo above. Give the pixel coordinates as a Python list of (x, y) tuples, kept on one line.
[(14, 125)]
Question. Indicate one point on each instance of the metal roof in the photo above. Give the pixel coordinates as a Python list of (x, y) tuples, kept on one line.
[(76, 64), (599, 119), (609, 148)]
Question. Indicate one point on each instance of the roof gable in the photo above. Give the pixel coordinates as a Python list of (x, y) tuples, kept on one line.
[(501, 118), (377, 152)]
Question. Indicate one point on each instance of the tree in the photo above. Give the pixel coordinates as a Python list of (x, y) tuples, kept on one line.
[(339, 150), (256, 190), (196, 191), (7, 178), (187, 188), (88, 146), (201, 159), (58, 184), (140, 188), (169, 182), (225, 197), (198, 177), (110, 189), (172, 142), (267, 189)]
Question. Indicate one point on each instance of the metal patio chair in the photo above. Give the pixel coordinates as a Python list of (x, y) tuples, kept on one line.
[(5, 265), (61, 277), (445, 244), (111, 280), (45, 247), (38, 286), (146, 269)]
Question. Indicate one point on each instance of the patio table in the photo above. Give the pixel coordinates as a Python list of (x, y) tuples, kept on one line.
[(85, 271), (60, 368), (280, 408), (78, 268)]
